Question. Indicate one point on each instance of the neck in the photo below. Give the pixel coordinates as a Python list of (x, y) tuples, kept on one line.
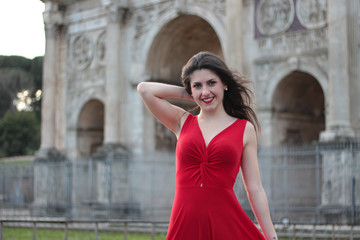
[(220, 113)]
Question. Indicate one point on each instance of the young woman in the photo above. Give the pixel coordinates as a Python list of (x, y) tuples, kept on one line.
[(211, 148)]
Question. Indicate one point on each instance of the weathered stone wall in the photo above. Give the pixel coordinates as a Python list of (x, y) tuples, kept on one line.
[(98, 51)]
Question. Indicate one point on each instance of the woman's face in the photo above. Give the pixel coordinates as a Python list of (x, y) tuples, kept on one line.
[(207, 89)]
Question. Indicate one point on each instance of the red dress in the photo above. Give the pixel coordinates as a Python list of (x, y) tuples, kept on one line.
[(205, 206)]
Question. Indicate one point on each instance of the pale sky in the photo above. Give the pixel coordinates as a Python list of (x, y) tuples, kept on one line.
[(22, 28)]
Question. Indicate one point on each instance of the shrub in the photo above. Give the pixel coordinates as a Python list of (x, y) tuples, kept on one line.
[(19, 133)]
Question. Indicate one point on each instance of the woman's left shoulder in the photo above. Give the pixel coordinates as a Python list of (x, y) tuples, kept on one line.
[(249, 133)]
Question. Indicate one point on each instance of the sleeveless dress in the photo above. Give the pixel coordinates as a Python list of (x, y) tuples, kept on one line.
[(205, 206)]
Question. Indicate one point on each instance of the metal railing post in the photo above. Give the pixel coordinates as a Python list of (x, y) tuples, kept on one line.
[(294, 232), (34, 230), (286, 179), (314, 232), (352, 183), (125, 230), (152, 231), (96, 231), (66, 230), (69, 187), (318, 193), (90, 180), (1, 230), (109, 163)]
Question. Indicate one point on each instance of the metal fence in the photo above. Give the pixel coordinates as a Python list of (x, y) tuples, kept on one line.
[(153, 228), (124, 227), (314, 184), (318, 183)]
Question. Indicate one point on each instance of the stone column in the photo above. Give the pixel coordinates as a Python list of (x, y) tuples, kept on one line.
[(115, 86), (113, 77), (48, 159), (114, 155), (234, 36), (52, 20), (338, 124), (337, 173)]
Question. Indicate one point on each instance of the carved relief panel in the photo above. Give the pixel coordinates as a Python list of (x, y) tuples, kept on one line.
[(311, 13), (281, 16), (87, 66), (101, 49), (274, 16), (87, 58), (285, 28), (85, 47), (82, 52)]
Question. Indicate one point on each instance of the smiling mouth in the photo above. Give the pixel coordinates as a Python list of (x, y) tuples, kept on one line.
[(208, 100)]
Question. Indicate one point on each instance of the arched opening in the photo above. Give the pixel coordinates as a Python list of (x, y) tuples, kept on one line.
[(298, 110), (90, 128), (298, 117), (176, 42)]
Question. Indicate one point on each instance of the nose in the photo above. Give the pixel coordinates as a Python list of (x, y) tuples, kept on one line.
[(205, 91)]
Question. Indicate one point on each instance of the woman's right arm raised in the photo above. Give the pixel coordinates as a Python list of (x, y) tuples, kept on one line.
[(153, 95)]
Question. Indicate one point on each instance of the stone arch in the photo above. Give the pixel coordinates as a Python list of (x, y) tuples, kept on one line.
[(212, 19), (173, 14), (90, 127), (284, 69), (298, 109), (76, 103), (175, 43)]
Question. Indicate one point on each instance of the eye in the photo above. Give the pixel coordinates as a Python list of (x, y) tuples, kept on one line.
[(212, 82), (196, 85)]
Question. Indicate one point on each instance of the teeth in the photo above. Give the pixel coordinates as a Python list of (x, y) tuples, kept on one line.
[(207, 99)]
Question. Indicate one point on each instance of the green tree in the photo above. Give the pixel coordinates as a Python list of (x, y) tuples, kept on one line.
[(15, 62), (18, 74), (5, 101), (13, 81), (19, 133), (36, 70)]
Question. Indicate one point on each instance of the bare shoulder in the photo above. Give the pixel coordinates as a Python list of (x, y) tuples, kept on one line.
[(249, 134), (182, 120)]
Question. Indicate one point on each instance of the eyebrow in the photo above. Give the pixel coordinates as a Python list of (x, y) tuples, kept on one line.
[(206, 80)]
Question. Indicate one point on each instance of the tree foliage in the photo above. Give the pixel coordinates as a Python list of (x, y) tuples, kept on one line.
[(15, 62), (12, 81), (18, 74), (36, 70), (19, 133)]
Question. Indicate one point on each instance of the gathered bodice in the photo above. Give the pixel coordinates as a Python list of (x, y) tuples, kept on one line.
[(215, 165)]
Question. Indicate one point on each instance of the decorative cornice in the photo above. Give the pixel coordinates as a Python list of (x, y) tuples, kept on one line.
[(118, 13), (52, 16)]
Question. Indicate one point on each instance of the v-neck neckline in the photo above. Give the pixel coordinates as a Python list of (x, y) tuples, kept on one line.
[(216, 135)]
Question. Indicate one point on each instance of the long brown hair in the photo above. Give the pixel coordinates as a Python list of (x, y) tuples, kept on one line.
[(237, 99)]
